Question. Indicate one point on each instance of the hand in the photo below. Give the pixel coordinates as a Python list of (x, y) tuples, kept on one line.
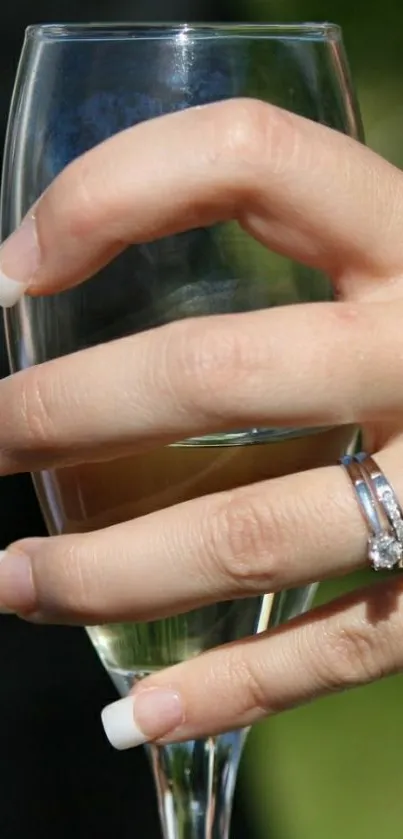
[(318, 197)]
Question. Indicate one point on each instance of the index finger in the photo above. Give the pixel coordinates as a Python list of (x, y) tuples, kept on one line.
[(302, 189)]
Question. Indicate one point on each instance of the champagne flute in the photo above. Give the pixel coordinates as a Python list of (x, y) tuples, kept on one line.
[(76, 86)]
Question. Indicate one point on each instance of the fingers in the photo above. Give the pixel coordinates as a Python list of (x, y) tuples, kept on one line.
[(347, 643), (206, 375), (302, 189), (266, 537)]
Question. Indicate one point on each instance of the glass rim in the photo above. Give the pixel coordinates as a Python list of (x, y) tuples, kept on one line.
[(325, 31)]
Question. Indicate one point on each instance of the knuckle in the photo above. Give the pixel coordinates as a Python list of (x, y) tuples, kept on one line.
[(37, 407), (76, 198), (252, 129), (251, 695), (202, 358), (84, 219), (351, 655), (242, 543), (64, 580)]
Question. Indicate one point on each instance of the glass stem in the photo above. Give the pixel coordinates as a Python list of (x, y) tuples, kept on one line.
[(195, 785)]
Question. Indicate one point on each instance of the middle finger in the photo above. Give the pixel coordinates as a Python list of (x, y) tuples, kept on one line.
[(206, 375)]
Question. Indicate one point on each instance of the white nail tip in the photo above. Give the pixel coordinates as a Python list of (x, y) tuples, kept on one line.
[(120, 727), (10, 291)]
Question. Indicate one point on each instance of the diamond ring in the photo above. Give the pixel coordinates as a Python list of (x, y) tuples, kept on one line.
[(385, 548), (384, 492)]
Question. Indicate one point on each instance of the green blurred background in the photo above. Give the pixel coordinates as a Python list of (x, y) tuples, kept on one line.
[(335, 768)]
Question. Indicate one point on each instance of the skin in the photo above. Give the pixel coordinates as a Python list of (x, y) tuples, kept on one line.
[(321, 198)]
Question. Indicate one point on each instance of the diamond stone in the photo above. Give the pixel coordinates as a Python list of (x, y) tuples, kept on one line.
[(384, 552), (391, 508), (398, 528), (395, 517)]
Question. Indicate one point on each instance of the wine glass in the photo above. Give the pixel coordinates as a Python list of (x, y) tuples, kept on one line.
[(76, 86)]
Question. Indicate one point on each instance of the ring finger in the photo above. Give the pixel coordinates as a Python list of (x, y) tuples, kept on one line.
[(265, 537)]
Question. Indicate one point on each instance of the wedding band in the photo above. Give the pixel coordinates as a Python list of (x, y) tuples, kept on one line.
[(384, 492), (385, 551)]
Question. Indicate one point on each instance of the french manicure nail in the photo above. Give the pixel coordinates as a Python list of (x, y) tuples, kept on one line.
[(150, 714), (16, 585), (19, 261)]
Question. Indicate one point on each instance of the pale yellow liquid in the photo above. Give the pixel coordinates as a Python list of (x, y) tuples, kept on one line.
[(89, 497)]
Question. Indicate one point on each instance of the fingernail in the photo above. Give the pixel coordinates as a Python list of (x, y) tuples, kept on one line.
[(147, 715), (16, 585), (19, 261)]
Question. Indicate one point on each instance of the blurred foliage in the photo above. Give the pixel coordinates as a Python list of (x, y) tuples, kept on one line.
[(333, 769), (374, 41)]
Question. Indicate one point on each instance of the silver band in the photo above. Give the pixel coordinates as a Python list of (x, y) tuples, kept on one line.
[(365, 498), (384, 492), (385, 551)]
